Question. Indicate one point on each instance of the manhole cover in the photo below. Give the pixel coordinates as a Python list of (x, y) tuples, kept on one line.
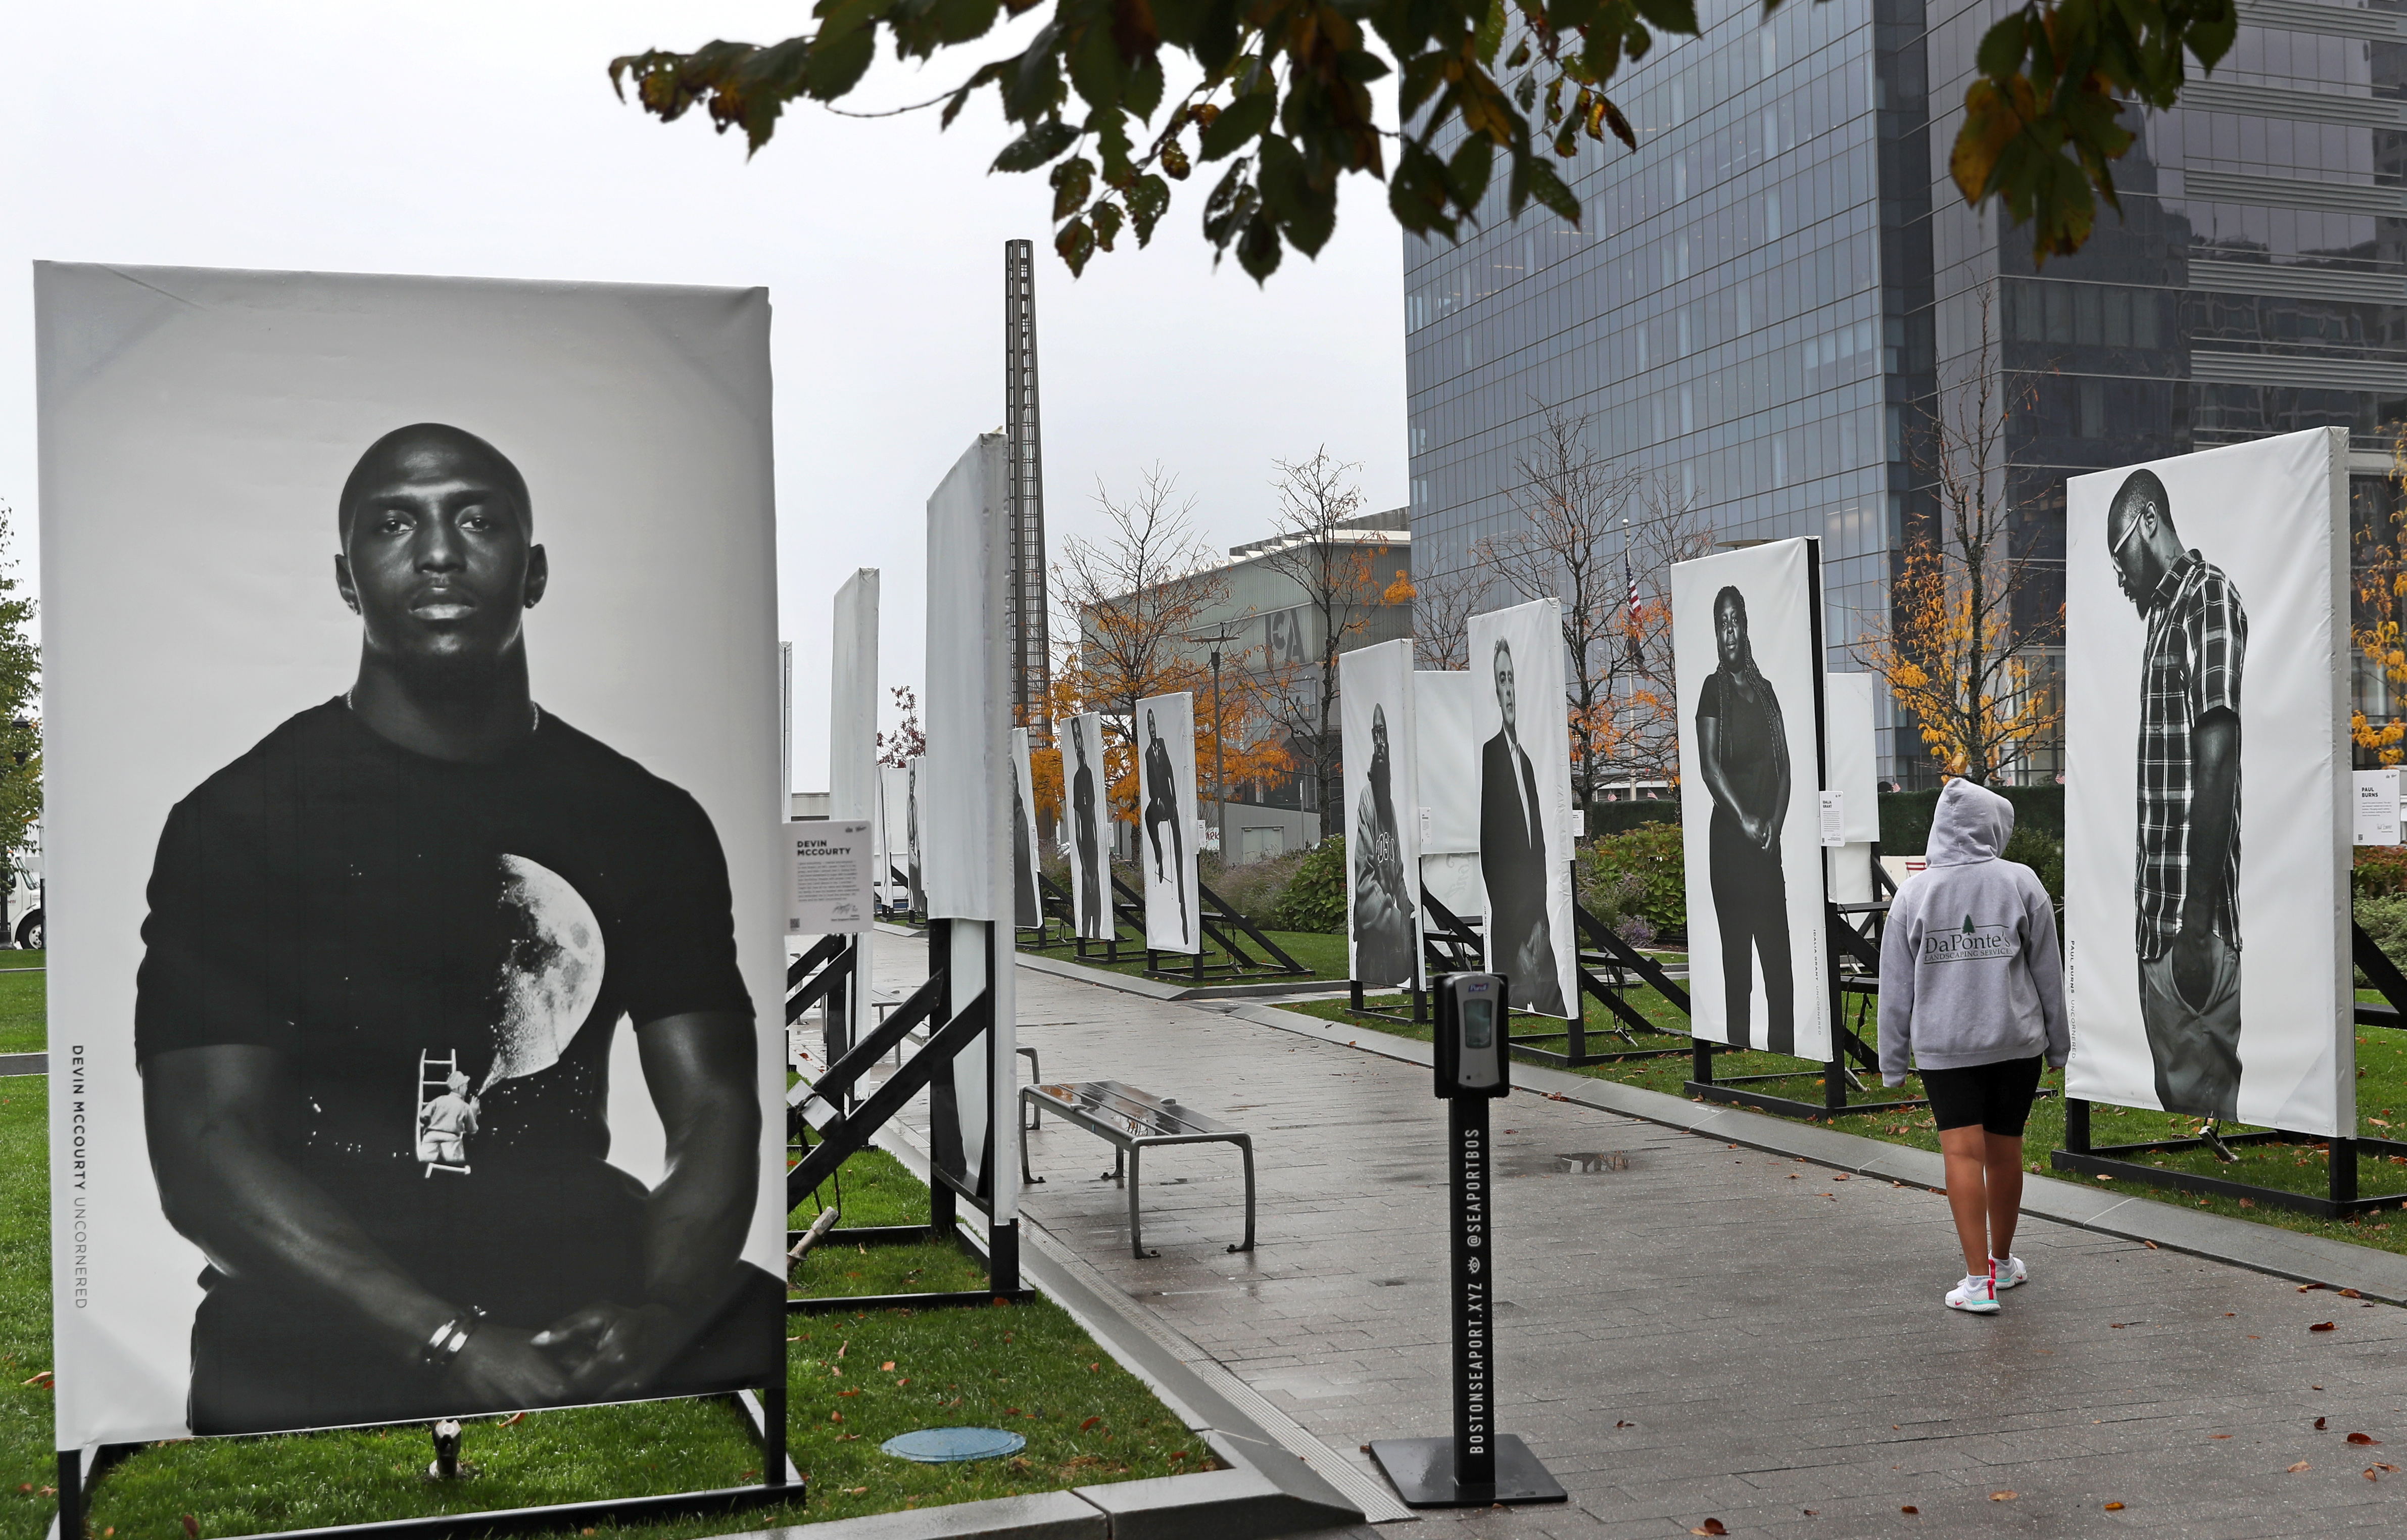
[(1588, 1161), (945, 1446)]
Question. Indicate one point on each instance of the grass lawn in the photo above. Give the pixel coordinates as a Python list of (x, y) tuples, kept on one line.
[(1323, 953), (2381, 1100), (853, 1381), (23, 1003)]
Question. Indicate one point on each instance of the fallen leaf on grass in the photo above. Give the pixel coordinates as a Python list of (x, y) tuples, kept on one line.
[(2363, 1438), (886, 1366), (1711, 1526), (513, 1420), (2324, 1326), (191, 1526), (856, 1491), (2302, 1465), (1092, 1421), (835, 1417)]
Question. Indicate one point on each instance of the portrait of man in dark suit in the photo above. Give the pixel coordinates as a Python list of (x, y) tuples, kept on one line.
[(1512, 859)]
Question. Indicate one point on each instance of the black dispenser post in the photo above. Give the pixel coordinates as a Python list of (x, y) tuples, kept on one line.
[(1478, 1467)]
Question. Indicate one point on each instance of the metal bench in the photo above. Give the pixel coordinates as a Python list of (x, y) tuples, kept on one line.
[(1132, 1121)]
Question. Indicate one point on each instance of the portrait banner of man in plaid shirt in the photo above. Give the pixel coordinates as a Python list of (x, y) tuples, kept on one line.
[(2186, 882)]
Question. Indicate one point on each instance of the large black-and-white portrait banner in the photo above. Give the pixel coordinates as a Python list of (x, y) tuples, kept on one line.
[(414, 778)]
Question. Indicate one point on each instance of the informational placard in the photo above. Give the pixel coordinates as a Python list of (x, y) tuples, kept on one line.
[(829, 863), (410, 790), (1746, 642), (2376, 806), (1525, 805), (1165, 793), (1087, 787), (2208, 804), (1382, 846), (1833, 806)]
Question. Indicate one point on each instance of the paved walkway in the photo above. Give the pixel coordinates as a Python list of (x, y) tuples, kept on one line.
[(1695, 1330)]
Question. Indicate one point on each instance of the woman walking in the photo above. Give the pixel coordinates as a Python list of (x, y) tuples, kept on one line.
[(1973, 991)]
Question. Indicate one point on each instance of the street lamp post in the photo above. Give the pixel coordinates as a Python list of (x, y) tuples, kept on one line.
[(1219, 777)]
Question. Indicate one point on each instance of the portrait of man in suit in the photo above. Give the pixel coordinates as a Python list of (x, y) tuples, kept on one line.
[(1512, 859)]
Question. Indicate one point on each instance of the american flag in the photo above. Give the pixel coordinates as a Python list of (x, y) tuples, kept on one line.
[(1632, 579)]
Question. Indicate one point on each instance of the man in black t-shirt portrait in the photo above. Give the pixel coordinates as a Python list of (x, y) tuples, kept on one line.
[(424, 884)]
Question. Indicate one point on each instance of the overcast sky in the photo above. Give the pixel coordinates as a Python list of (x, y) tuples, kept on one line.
[(484, 140)]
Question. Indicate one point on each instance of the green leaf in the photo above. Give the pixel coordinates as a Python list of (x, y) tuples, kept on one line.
[(1215, 36), (1490, 35), (1074, 243), (1239, 123), (2002, 46), (1257, 248), (837, 63), (1673, 15), (1568, 15), (1072, 180), (1147, 201), (1143, 92), (1095, 67), (1534, 178), (1040, 144), (1468, 172), (1304, 213), (1107, 218)]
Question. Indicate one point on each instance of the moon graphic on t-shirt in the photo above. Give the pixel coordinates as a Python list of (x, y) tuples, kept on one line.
[(551, 974)]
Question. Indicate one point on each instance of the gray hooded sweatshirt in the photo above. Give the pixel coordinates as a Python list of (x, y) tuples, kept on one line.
[(1969, 972)]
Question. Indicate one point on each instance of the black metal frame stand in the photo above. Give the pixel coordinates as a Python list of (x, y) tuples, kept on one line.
[(1216, 919), (1477, 1466), (2341, 1198), (779, 1483), (1608, 952), (1844, 942), (845, 1126)]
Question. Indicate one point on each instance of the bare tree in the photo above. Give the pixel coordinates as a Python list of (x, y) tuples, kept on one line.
[(1575, 545), (1135, 598), (1950, 650), (1442, 606), (1342, 573)]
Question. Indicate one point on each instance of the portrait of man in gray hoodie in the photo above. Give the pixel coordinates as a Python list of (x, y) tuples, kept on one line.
[(2185, 888)]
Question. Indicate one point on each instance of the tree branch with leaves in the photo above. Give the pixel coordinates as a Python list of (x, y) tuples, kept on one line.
[(1280, 91)]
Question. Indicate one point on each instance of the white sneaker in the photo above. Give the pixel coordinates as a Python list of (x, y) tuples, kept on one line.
[(1977, 1293), (2010, 1271)]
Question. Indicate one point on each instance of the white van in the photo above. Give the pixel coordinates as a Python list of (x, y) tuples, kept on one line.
[(21, 905)]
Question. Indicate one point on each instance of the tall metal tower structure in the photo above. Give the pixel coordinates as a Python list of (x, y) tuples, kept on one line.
[(1032, 665)]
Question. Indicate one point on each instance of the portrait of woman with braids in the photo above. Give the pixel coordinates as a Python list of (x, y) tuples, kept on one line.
[(1743, 745)]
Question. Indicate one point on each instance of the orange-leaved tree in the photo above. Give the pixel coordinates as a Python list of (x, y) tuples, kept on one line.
[(1137, 600), (1956, 656), (2377, 599)]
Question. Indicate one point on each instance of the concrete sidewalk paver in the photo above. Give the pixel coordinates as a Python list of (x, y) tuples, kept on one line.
[(1696, 1329)]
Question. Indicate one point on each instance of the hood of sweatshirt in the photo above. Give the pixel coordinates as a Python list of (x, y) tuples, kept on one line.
[(1971, 823)]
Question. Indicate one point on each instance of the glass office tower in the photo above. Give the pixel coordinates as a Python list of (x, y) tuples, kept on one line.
[(1769, 296)]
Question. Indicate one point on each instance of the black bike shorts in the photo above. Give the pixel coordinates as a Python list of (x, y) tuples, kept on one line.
[(1996, 1096)]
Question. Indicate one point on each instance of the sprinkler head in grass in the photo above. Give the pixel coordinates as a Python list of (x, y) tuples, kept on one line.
[(447, 1465)]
